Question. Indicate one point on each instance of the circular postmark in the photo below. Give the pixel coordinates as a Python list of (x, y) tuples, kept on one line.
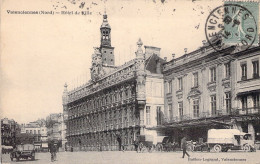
[(231, 24)]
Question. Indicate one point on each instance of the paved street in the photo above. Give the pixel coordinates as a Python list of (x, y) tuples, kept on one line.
[(133, 157)]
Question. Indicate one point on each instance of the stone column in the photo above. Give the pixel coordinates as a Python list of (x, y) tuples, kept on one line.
[(140, 83)]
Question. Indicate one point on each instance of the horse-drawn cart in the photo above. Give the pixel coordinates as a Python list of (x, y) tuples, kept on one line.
[(145, 143)]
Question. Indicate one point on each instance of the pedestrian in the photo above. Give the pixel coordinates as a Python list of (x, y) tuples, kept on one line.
[(119, 140), (52, 148), (184, 147)]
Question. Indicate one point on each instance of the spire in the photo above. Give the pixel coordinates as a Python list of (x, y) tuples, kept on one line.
[(65, 94), (139, 53), (105, 22)]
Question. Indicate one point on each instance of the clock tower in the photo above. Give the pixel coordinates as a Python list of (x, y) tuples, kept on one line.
[(107, 52)]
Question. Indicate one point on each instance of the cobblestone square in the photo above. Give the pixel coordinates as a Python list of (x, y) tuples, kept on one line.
[(115, 157)]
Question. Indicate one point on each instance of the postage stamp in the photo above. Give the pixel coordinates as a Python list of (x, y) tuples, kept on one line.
[(234, 23)]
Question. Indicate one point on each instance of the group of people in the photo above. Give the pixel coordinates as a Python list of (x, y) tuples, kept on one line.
[(53, 147)]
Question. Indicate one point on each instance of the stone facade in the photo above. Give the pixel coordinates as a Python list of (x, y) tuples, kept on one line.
[(248, 92), (203, 90), (110, 109), (56, 129), (9, 130)]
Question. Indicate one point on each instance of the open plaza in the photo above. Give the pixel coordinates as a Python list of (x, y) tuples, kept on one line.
[(131, 157)]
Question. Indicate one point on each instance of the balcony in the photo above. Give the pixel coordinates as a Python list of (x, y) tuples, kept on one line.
[(199, 116), (219, 113), (179, 94), (226, 82), (212, 86), (246, 111)]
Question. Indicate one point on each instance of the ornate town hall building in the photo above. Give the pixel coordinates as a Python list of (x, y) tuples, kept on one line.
[(119, 103)]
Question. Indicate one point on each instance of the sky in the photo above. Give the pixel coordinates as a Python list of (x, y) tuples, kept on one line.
[(39, 53)]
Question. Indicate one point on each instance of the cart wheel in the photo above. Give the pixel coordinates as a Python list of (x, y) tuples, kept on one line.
[(144, 149), (217, 148), (139, 148), (246, 148), (158, 147), (152, 148)]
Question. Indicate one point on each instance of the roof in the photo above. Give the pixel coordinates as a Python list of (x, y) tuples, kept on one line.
[(105, 22)]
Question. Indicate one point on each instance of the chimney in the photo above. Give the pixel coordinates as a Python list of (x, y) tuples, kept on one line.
[(173, 56), (185, 50)]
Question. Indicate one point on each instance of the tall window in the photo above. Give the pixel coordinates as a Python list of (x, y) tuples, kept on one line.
[(159, 115), (180, 83), (244, 71), (148, 118), (180, 107), (170, 111), (256, 100), (195, 80), (125, 117), (170, 86), (196, 108), (255, 69), (244, 102), (115, 118), (27, 131), (227, 70), (213, 104), (212, 74), (228, 101)]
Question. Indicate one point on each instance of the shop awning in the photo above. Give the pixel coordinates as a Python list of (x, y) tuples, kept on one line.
[(192, 123)]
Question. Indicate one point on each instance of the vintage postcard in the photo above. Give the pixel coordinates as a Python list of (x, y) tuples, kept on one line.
[(130, 81)]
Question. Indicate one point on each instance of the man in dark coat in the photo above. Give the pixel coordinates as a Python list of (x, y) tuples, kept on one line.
[(184, 147), (119, 140), (53, 150)]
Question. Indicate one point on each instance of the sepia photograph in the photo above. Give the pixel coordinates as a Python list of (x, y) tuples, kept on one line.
[(129, 81)]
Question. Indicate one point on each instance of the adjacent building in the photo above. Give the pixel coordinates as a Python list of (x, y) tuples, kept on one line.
[(119, 103), (39, 131), (9, 130), (56, 129), (247, 92), (206, 89)]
